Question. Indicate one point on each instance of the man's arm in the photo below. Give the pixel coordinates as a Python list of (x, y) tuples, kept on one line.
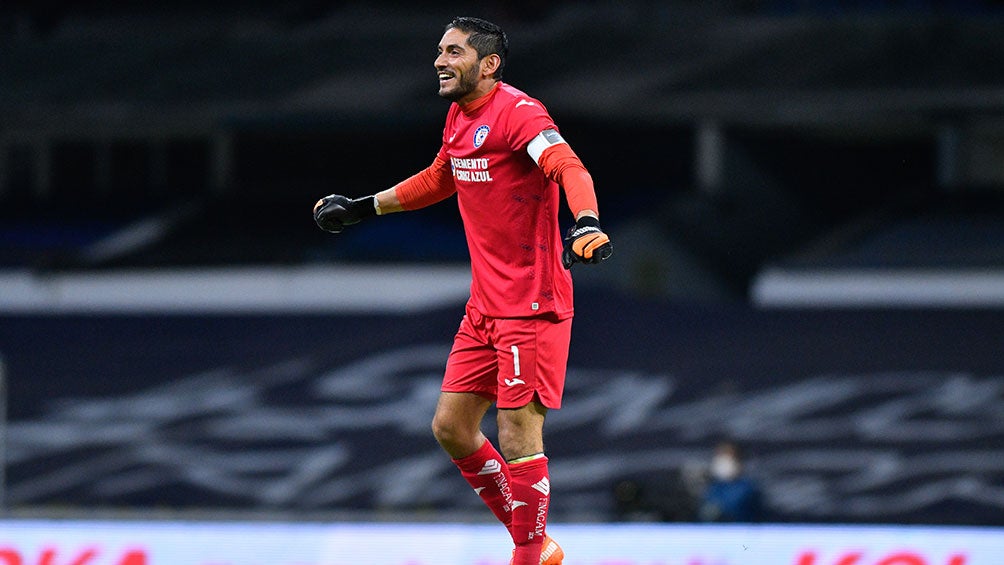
[(585, 242), (555, 157), (429, 186), (433, 184)]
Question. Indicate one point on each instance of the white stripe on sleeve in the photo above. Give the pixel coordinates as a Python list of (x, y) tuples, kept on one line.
[(539, 144)]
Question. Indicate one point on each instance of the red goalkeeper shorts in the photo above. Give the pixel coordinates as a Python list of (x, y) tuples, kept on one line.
[(509, 360)]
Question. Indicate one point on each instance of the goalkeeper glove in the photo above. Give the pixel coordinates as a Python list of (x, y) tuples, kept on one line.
[(585, 243), (332, 213)]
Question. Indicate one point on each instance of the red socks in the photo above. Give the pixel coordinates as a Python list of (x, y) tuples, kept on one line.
[(517, 493), (488, 474), (531, 495)]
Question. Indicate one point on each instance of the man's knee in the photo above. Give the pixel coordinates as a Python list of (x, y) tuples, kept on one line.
[(458, 439), (456, 424), (446, 429)]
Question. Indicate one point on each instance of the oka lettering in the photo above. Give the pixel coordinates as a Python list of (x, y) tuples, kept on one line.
[(859, 558), (91, 556)]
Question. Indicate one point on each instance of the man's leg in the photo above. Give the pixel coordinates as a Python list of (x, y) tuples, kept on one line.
[(521, 438), (532, 358), (457, 427)]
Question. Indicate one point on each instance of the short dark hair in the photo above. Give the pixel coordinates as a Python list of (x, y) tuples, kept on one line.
[(485, 37), (731, 445)]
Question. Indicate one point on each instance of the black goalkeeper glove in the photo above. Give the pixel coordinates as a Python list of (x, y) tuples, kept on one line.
[(586, 243), (332, 213)]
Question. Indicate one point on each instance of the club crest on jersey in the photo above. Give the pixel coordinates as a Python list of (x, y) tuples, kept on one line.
[(480, 134)]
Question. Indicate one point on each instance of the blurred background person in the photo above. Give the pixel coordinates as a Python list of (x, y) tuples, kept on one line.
[(731, 495)]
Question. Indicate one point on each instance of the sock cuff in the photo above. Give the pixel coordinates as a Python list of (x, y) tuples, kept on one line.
[(475, 462), (527, 458), (528, 466)]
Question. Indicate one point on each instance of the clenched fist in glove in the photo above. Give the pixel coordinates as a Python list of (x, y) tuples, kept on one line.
[(332, 213), (586, 243)]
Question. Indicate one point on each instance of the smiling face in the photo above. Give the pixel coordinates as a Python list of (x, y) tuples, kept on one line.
[(462, 74)]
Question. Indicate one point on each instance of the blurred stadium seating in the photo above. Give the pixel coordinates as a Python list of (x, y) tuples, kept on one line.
[(736, 133), (746, 152)]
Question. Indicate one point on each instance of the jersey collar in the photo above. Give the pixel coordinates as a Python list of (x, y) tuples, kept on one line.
[(477, 104)]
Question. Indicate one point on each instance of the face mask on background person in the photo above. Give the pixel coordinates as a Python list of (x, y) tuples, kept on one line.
[(724, 467)]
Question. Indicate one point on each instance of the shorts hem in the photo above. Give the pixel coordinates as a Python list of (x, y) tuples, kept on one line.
[(536, 396), (490, 395)]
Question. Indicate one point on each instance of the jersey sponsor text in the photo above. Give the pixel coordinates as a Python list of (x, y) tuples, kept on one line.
[(471, 170)]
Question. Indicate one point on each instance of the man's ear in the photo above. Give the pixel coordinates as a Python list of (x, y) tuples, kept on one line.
[(490, 64)]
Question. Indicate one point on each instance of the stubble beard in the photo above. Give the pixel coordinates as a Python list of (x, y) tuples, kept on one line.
[(466, 83)]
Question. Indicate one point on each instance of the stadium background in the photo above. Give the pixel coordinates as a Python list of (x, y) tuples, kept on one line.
[(805, 200)]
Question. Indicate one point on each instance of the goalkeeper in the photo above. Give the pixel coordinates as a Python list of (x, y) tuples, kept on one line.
[(503, 157)]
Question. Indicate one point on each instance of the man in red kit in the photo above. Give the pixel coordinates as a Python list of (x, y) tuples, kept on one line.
[(503, 157)]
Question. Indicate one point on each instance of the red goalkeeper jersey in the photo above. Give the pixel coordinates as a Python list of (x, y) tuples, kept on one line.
[(509, 207)]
